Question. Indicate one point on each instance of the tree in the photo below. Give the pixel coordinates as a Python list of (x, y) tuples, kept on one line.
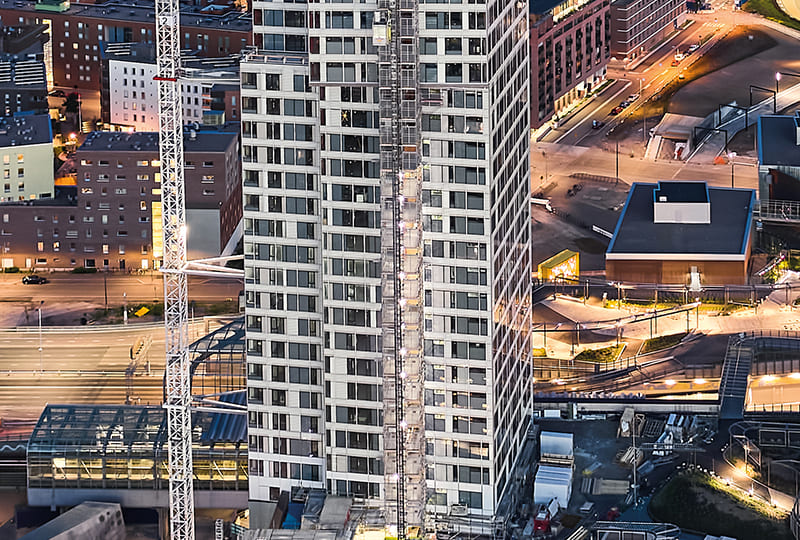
[(72, 103)]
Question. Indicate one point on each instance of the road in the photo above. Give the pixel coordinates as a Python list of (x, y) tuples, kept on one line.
[(84, 367), (561, 160), (90, 288)]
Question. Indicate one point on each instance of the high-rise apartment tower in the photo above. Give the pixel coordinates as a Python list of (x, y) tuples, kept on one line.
[(387, 251)]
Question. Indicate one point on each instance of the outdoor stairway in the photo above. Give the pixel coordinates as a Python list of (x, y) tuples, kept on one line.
[(735, 374)]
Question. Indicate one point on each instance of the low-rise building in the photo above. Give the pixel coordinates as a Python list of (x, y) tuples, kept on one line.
[(569, 53), (26, 150), (113, 220), (77, 29), (129, 94), (637, 25), (23, 77), (683, 233), (778, 142)]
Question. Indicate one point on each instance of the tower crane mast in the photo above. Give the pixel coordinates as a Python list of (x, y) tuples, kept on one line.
[(178, 388)]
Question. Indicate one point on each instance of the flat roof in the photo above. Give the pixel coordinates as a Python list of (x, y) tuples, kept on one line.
[(777, 141), (142, 141), (25, 130), (73, 518), (681, 192), (141, 11), (728, 232)]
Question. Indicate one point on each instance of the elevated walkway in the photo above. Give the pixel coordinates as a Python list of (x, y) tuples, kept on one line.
[(775, 211)]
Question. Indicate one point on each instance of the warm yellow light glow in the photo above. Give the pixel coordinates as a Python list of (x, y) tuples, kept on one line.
[(700, 381), (794, 375), (670, 382), (768, 378)]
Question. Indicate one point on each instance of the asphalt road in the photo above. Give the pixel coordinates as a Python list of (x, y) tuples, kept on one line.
[(85, 367), (91, 288)]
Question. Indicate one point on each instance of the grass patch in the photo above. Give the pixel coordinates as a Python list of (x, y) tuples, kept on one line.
[(600, 356), (769, 10), (662, 342), (735, 47), (697, 501)]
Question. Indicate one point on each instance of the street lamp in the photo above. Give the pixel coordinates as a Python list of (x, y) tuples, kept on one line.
[(41, 360), (777, 81), (731, 155)]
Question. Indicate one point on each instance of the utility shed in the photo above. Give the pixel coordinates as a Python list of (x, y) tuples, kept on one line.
[(552, 483), (87, 521), (556, 448)]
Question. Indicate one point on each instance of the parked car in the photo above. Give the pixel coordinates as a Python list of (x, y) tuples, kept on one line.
[(33, 279), (624, 104), (681, 75), (616, 110), (597, 124), (632, 98), (693, 48), (675, 63)]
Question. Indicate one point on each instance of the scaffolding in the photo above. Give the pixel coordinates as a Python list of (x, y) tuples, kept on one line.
[(395, 34)]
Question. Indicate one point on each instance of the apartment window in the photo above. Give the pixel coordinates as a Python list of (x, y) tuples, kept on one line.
[(21, 172)]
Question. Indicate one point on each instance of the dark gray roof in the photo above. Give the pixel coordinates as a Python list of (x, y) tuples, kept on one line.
[(25, 129), (109, 141), (143, 11), (681, 192), (777, 141), (728, 232), (539, 7)]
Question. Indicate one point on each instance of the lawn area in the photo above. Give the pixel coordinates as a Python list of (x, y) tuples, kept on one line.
[(662, 342), (770, 10), (600, 356), (700, 502), (735, 47)]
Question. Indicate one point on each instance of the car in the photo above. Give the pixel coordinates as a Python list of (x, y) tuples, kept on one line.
[(623, 104), (33, 279), (616, 110), (57, 93), (632, 98), (675, 63), (597, 124), (681, 75), (694, 48)]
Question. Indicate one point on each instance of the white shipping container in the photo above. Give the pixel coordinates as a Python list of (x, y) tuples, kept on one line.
[(552, 483)]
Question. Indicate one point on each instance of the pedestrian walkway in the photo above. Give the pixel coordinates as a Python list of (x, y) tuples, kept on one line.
[(735, 375)]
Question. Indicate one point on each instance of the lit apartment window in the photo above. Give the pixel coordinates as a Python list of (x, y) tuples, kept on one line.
[(105, 249), (6, 159), (20, 157)]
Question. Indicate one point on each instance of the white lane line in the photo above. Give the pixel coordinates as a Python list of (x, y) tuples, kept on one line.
[(604, 104)]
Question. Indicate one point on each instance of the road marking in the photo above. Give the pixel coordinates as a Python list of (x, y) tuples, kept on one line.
[(604, 104)]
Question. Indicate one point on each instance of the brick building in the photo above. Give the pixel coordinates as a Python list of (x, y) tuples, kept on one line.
[(569, 53), (114, 218), (637, 25), (77, 30)]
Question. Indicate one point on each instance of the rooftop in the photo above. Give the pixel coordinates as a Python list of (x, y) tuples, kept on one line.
[(681, 192), (206, 140), (777, 141), (143, 11), (728, 232), (25, 130), (74, 518)]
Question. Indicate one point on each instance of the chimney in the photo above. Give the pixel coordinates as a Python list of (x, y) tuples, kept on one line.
[(797, 128)]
